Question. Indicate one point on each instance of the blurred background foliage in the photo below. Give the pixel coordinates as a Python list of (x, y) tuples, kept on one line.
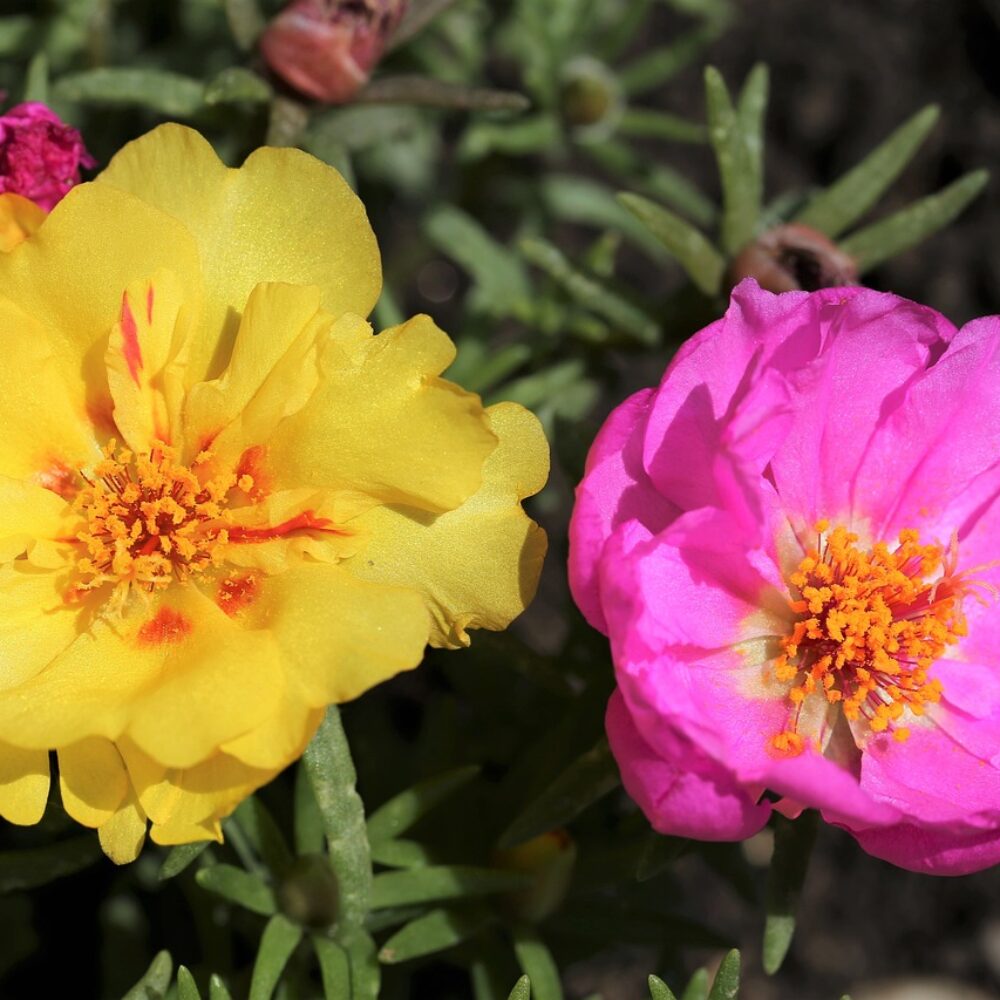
[(570, 193)]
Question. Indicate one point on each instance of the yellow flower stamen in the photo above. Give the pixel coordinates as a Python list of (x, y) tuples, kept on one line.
[(870, 626), (148, 520)]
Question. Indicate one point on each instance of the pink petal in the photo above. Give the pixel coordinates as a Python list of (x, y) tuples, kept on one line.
[(874, 346), (682, 792), (943, 436), (614, 489), (933, 851)]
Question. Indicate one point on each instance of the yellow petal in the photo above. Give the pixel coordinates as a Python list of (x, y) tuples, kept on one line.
[(69, 277), (194, 796), (383, 423), (279, 740), (19, 218), (36, 625), (29, 514), (92, 780), (338, 635), (272, 372), (171, 834), (45, 434), (24, 784), (146, 359), (123, 835), (178, 675), (477, 566), (282, 216)]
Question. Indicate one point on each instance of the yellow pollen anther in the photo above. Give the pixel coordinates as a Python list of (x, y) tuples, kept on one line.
[(871, 624), (147, 521)]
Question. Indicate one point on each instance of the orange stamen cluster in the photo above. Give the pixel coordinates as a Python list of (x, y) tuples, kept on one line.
[(149, 520), (871, 624)]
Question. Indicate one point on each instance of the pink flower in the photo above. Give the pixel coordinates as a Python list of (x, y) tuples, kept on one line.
[(327, 48), (40, 155), (793, 544)]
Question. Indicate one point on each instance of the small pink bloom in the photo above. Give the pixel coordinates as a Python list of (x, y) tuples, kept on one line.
[(793, 544), (40, 155), (327, 49)]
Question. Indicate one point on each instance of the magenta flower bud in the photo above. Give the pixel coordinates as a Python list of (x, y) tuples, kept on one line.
[(40, 155), (327, 49)]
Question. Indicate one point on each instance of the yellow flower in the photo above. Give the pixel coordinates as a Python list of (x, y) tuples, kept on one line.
[(19, 218), (224, 503)]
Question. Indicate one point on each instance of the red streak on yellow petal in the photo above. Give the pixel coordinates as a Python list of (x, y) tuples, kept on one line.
[(306, 521), (130, 338), (168, 626), (150, 298)]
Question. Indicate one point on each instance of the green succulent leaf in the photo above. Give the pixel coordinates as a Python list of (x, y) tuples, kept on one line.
[(417, 17), (537, 963), (238, 886), (37, 866), (587, 202), (400, 854), (656, 180), (280, 938), (588, 779), (334, 967), (731, 132), (180, 857), (727, 980), (834, 210), (334, 779), (911, 225), (217, 989), (159, 90), (246, 22), (654, 68), (793, 844), (527, 135), (697, 987), (156, 981), (237, 84), (436, 882), (658, 989), (430, 92), (646, 124), (308, 823), (400, 813), (432, 932), (262, 831), (331, 770), (499, 277), (521, 990), (592, 293), (704, 264), (16, 33), (750, 111), (554, 389), (187, 988), (36, 85), (479, 367)]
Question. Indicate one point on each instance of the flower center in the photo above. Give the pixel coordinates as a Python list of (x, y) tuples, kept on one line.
[(149, 520), (871, 624)]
